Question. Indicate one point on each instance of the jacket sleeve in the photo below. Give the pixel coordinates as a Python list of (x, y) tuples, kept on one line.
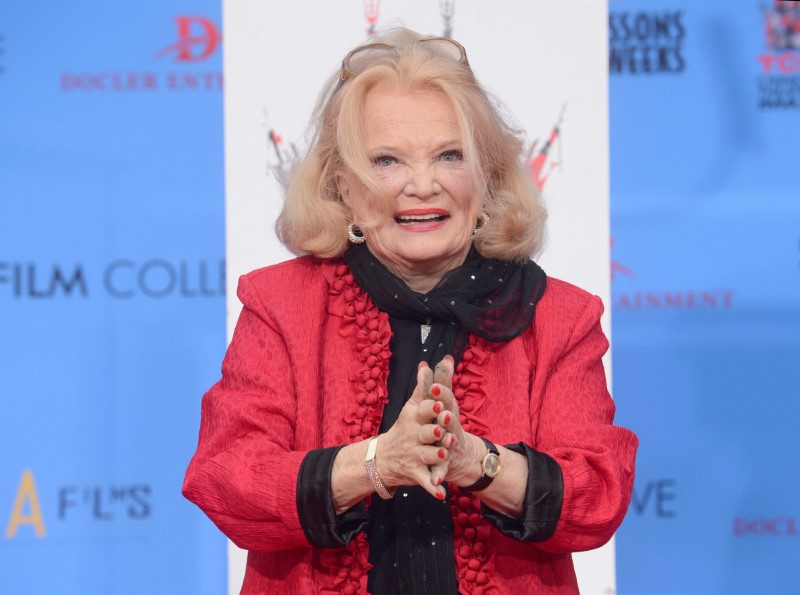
[(244, 474), (576, 429)]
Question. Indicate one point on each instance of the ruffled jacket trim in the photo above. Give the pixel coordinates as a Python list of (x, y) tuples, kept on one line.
[(370, 331)]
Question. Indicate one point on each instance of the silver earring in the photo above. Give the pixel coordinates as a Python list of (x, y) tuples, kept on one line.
[(355, 235), (481, 223)]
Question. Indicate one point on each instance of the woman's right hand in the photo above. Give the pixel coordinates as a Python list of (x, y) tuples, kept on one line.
[(410, 451)]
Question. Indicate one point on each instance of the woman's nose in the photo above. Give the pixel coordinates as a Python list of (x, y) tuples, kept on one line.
[(422, 183)]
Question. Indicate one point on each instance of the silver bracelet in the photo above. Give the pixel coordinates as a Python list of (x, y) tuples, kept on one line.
[(369, 463)]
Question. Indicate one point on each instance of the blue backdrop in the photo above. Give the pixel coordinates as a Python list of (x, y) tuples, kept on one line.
[(112, 304), (705, 207)]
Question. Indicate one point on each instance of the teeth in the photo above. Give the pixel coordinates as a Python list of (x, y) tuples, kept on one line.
[(418, 217)]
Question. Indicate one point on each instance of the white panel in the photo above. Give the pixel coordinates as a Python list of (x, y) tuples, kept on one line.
[(539, 57)]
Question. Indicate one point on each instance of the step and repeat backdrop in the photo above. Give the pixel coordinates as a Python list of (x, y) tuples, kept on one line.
[(113, 275), (705, 220), (112, 292)]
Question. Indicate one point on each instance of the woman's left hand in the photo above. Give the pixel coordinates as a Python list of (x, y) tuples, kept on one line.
[(465, 450)]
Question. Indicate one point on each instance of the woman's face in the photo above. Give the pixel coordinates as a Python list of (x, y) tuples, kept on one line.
[(413, 141)]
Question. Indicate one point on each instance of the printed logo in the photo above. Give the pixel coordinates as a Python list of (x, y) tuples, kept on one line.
[(447, 8), (775, 526), (782, 25), (372, 9), (198, 40), (541, 161), (155, 278), (623, 297), (655, 497), (778, 82), (79, 504), (646, 43)]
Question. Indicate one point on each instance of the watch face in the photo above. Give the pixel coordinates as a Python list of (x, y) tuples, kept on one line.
[(491, 465)]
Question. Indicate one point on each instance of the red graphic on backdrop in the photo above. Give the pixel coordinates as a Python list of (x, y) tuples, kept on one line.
[(779, 82), (371, 10), (285, 153), (280, 152), (619, 268), (198, 39), (447, 9), (782, 25), (541, 161)]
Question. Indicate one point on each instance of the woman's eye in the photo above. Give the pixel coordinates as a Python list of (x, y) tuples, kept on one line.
[(384, 160), (453, 155)]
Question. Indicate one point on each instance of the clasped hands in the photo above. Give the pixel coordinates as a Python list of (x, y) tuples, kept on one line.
[(427, 445)]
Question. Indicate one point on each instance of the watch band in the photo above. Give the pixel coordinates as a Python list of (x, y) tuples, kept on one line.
[(369, 463), (485, 479)]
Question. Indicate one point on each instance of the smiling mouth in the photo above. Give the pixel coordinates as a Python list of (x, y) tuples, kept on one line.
[(412, 219)]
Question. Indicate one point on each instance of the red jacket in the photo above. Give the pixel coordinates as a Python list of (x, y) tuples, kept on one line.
[(307, 368)]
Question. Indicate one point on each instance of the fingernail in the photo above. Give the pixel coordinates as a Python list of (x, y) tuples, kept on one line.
[(452, 441), (438, 481), (436, 390), (446, 417), (421, 365), (440, 495), (450, 358), (441, 453), (437, 432), (437, 408)]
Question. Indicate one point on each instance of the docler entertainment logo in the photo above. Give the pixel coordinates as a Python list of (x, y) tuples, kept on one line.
[(779, 78), (625, 299), (197, 40), (646, 43)]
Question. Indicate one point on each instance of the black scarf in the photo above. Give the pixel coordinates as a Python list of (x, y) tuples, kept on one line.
[(492, 298), (495, 300)]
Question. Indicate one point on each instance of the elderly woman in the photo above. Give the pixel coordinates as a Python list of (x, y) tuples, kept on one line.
[(413, 406)]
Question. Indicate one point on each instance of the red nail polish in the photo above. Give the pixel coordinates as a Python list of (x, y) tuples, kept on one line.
[(452, 441), (441, 453), (437, 408), (446, 418), (436, 391), (437, 432), (450, 358), (438, 481), (440, 495), (421, 365)]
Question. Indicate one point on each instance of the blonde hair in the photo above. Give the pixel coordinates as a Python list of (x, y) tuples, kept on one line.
[(314, 218)]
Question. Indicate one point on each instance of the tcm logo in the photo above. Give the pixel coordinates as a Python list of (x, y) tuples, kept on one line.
[(779, 81), (198, 39)]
